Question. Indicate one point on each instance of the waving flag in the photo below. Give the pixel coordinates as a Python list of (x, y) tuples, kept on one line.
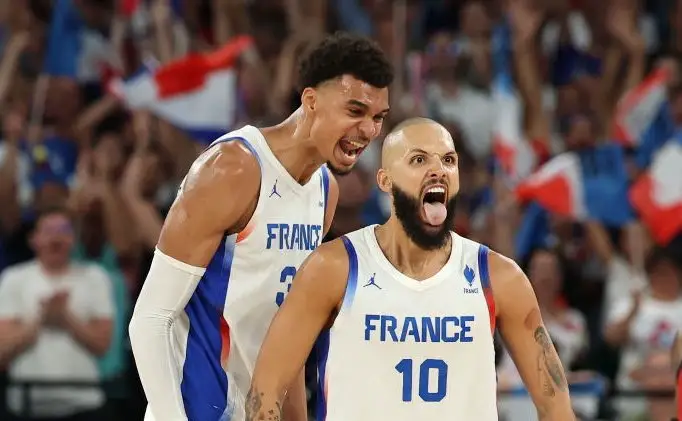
[(643, 120), (76, 51), (196, 93), (657, 195), (582, 186), (557, 186)]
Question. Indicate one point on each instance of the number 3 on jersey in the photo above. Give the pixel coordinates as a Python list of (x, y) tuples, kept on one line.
[(427, 369), (285, 277)]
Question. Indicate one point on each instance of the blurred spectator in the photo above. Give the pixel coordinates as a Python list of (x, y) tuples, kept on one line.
[(644, 325), (56, 319)]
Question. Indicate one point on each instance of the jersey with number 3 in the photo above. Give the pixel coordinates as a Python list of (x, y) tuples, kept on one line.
[(405, 350), (226, 319)]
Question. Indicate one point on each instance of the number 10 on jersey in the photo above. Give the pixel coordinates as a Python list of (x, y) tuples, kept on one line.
[(425, 371)]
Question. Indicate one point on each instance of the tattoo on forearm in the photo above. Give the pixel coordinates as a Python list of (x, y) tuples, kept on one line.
[(257, 410), (549, 366)]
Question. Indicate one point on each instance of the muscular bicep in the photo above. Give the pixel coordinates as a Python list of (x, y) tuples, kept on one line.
[(316, 292), (217, 196), (528, 342)]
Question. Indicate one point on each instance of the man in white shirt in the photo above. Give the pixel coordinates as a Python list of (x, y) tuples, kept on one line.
[(55, 320)]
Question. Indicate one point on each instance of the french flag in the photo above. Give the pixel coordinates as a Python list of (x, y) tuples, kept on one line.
[(643, 120), (76, 51), (197, 93), (587, 185), (557, 187), (638, 108), (657, 194)]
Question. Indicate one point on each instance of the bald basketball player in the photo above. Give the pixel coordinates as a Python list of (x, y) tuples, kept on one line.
[(251, 209), (404, 313)]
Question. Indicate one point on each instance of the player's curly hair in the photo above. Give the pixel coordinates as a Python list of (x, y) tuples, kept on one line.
[(345, 54)]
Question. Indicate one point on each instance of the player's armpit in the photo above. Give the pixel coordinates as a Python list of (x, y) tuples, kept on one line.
[(528, 342), (316, 292), (218, 195)]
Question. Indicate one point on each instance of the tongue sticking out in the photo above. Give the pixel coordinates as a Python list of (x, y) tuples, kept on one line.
[(435, 213)]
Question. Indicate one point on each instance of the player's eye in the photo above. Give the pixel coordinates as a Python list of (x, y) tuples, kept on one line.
[(355, 112), (417, 159), (449, 160), (379, 118)]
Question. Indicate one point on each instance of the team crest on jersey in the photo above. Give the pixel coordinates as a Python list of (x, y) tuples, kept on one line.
[(470, 276)]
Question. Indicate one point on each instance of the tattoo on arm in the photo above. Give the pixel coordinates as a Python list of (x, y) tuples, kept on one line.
[(548, 365), (256, 410)]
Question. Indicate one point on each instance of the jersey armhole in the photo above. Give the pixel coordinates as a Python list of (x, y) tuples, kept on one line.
[(352, 280), (484, 276)]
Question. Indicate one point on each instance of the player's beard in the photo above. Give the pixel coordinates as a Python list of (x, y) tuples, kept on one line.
[(408, 209), (338, 171)]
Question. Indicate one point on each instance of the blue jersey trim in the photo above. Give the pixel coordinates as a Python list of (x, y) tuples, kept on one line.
[(243, 141), (322, 353), (352, 281), (483, 272), (325, 186)]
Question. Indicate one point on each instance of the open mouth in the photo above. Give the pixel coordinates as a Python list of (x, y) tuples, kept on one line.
[(351, 148), (433, 205)]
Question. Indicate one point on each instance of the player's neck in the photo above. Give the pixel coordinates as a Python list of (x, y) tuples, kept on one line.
[(300, 158), (407, 256)]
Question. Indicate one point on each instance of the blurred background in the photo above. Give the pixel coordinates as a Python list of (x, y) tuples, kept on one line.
[(566, 116)]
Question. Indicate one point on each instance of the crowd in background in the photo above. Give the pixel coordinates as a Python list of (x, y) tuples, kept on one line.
[(86, 178)]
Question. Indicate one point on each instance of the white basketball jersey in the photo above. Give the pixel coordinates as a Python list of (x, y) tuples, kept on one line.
[(405, 350), (226, 319)]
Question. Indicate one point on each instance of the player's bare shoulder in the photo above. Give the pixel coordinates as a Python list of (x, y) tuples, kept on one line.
[(324, 273), (507, 280), (217, 197), (221, 185)]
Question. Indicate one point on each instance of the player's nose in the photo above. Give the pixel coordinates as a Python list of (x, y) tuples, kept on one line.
[(368, 130)]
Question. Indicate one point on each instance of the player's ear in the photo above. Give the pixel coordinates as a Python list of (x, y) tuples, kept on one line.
[(384, 181), (309, 99)]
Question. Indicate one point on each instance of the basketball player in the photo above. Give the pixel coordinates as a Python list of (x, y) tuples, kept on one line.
[(411, 309), (249, 211)]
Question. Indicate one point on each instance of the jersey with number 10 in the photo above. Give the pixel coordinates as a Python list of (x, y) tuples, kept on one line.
[(245, 283), (405, 350)]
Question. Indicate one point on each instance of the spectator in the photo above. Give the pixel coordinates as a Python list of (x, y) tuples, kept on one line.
[(644, 325), (56, 319)]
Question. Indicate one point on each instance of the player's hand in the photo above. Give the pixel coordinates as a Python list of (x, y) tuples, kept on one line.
[(55, 310)]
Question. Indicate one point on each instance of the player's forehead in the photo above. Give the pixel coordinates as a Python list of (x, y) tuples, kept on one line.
[(355, 92), (427, 138)]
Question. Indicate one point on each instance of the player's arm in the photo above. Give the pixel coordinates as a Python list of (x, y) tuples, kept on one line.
[(206, 208), (316, 293), (527, 340)]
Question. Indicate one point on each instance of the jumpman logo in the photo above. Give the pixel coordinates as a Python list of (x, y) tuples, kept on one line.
[(274, 190), (371, 282)]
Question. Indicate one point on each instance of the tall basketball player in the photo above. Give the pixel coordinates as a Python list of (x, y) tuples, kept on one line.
[(249, 211), (405, 312)]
